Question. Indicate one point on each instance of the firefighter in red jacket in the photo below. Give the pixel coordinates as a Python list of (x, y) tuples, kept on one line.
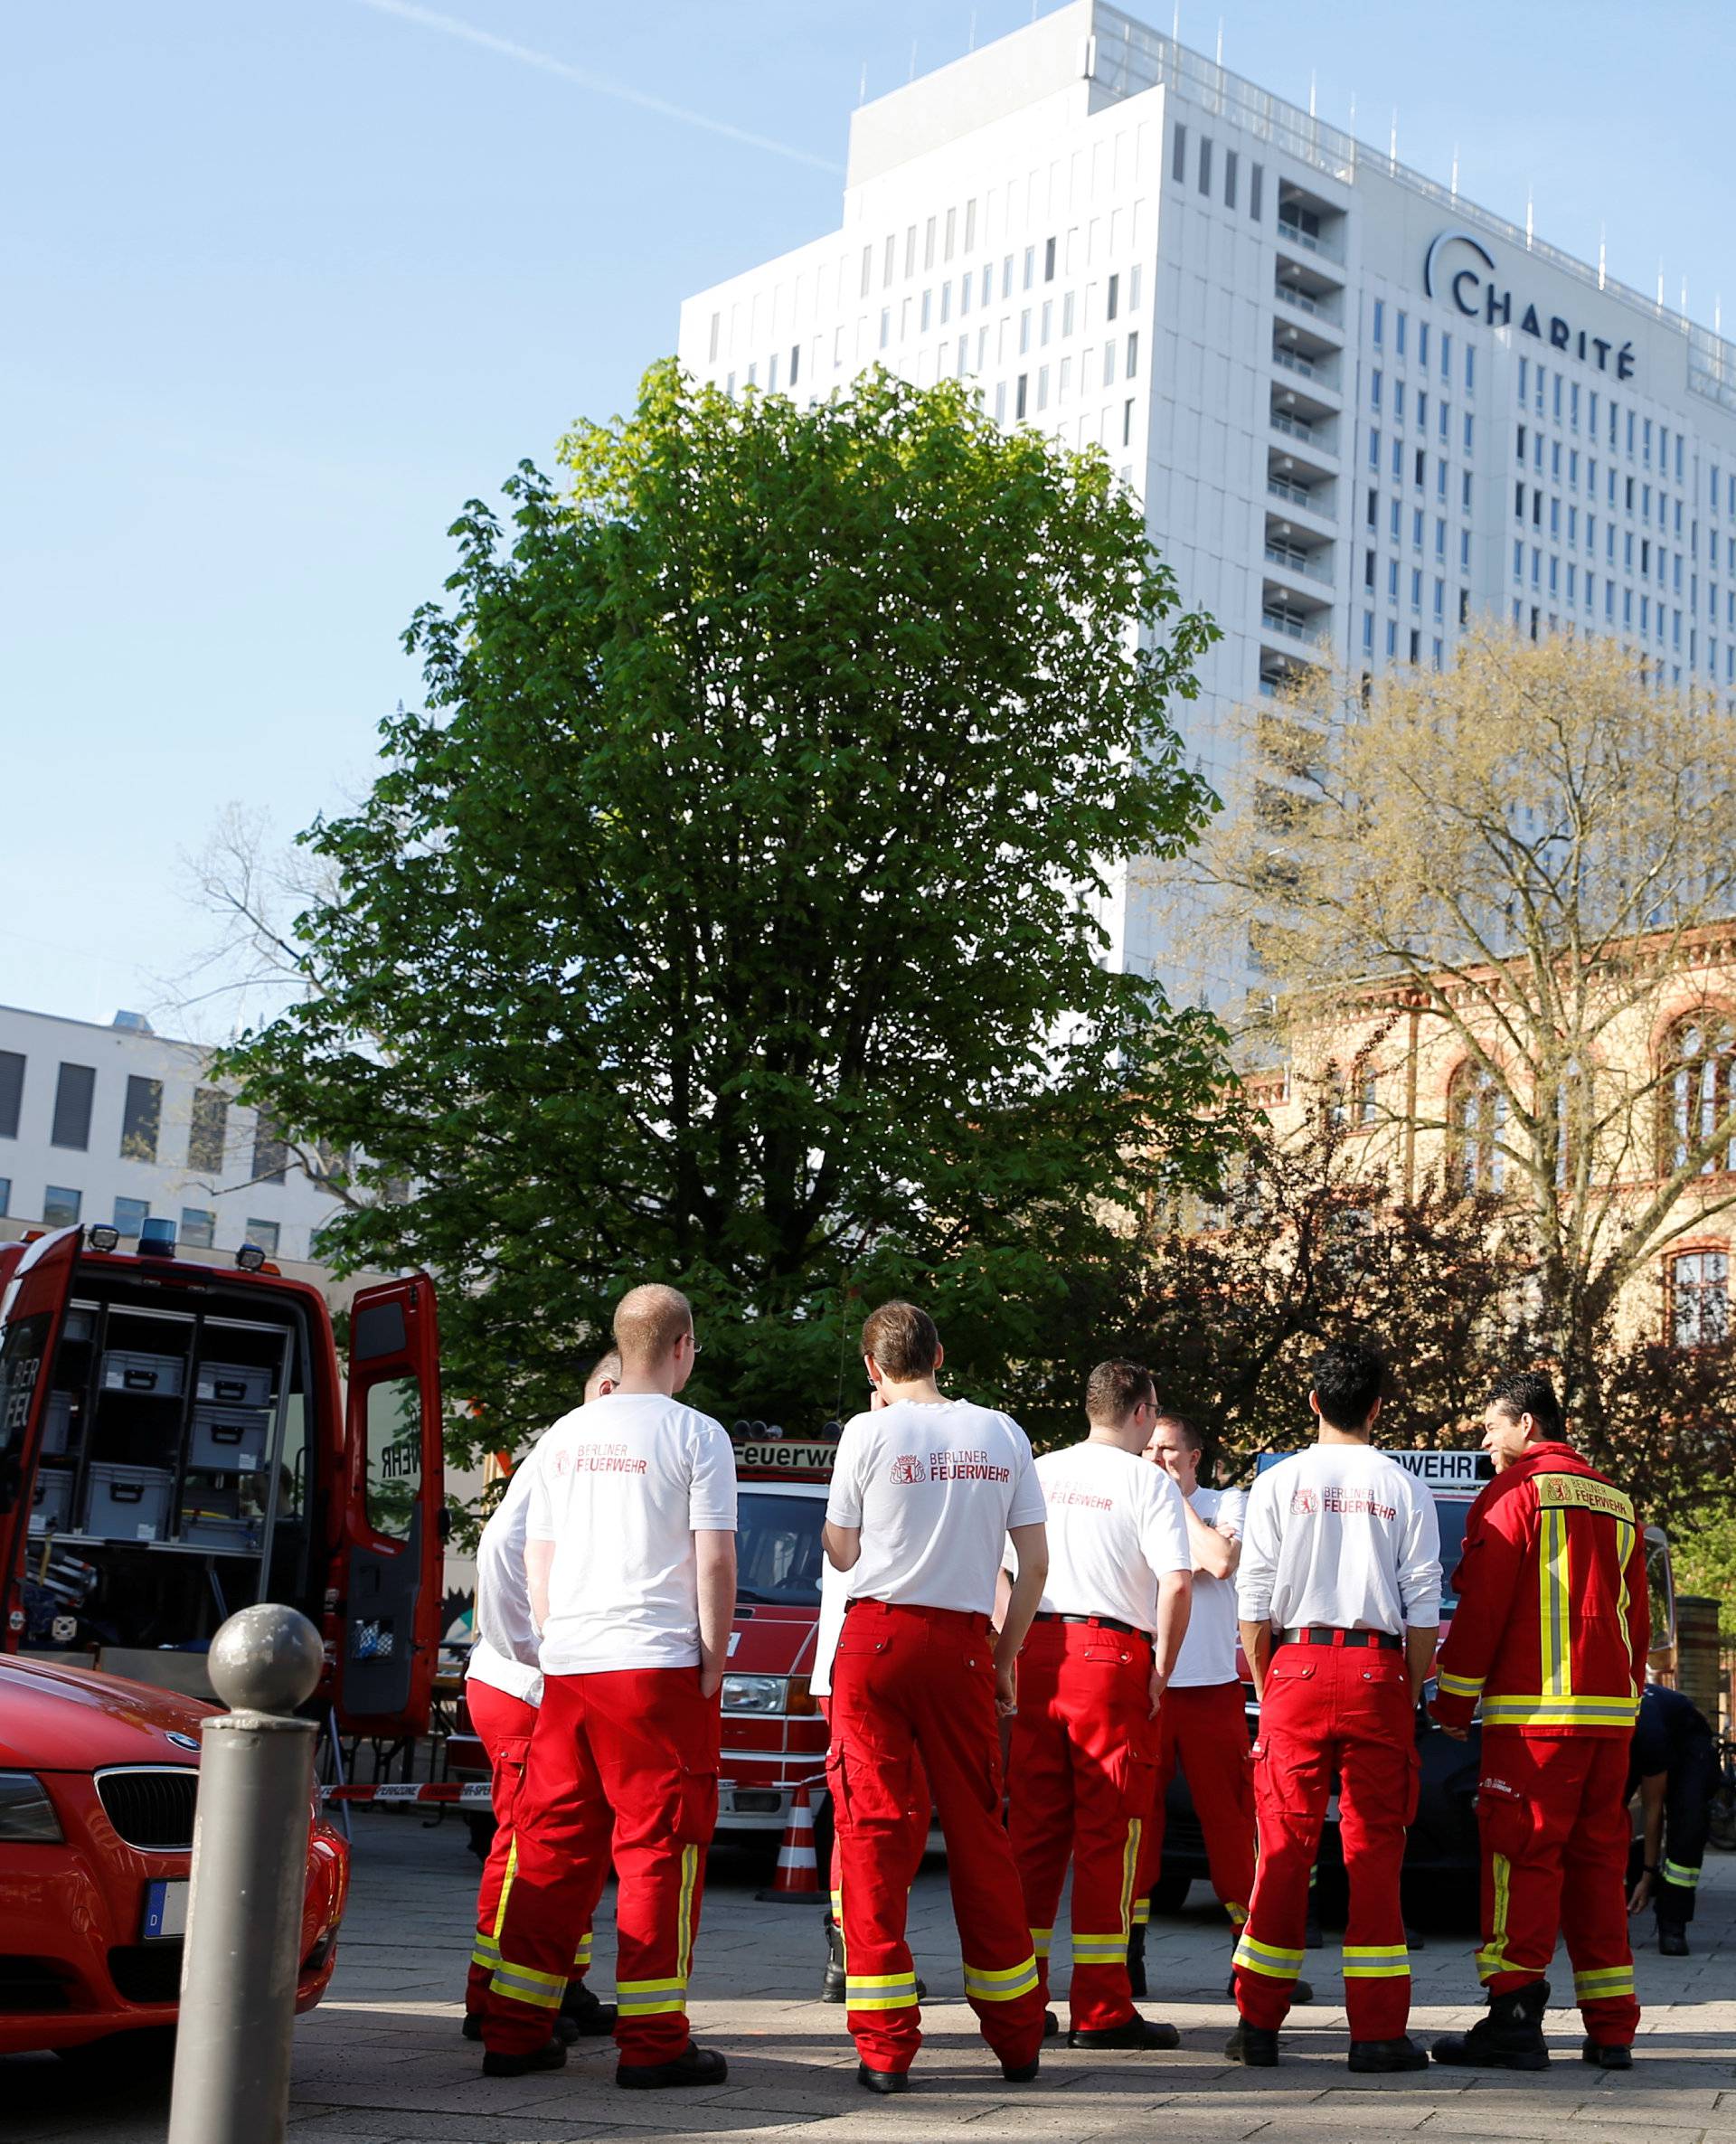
[(1551, 1635)]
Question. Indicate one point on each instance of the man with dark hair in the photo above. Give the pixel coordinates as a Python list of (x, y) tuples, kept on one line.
[(925, 1491), (1339, 1589), (1091, 1683), (1551, 1634)]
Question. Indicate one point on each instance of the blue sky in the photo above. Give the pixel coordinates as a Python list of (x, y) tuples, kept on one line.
[(288, 280)]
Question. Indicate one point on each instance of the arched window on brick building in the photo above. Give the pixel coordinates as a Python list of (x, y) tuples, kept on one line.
[(1699, 1091), (1477, 1113)]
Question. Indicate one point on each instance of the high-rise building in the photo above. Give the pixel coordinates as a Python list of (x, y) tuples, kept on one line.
[(1360, 410)]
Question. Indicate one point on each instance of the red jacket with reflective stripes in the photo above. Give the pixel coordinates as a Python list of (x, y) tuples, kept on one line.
[(1552, 1622)]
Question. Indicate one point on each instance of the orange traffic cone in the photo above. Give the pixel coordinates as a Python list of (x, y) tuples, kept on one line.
[(798, 1868)]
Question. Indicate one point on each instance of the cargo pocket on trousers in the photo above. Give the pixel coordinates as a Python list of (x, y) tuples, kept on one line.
[(1504, 1818), (869, 1788), (696, 1807), (1135, 1774)]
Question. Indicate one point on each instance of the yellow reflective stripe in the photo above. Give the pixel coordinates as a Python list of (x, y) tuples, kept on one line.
[(525, 1985), (1129, 1869), (650, 2005), (1680, 1875), (484, 1953), (1493, 1957), (1001, 1984), (906, 2001), (1041, 1939), (1141, 1913), (1616, 1979), (1459, 1686), (581, 1956), (1269, 1950), (1624, 1549), (881, 1991), (684, 1912), (1377, 1951), (882, 1980), (1237, 1912), (675, 1980), (1100, 1949), (1253, 1957), (1539, 1710), (1554, 1594), (1376, 1961)]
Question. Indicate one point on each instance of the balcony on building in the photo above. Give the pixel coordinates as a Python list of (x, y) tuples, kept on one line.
[(1307, 421), (1303, 292), (1310, 228), (1299, 557), (1300, 486), (1309, 360)]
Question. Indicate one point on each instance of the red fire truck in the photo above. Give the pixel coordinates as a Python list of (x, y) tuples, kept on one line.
[(773, 1735), (178, 1440)]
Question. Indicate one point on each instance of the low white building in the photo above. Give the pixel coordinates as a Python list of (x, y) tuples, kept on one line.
[(1360, 411), (118, 1125)]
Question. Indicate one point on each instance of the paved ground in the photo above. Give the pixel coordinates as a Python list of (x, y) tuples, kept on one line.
[(383, 2059)]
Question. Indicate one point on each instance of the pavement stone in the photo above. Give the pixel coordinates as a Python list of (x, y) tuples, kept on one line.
[(381, 2060)]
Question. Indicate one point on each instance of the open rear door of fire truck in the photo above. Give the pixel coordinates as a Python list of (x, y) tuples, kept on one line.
[(389, 1578), (33, 1305)]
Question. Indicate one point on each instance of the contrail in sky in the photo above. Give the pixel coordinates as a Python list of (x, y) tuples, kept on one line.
[(449, 25)]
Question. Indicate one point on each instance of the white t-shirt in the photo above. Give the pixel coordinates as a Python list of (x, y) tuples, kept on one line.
[(934, 1487), (620, 1487), (505, 1652), (1114, 1528), (835, 1588), (1340, 1535), (1208, 1653)]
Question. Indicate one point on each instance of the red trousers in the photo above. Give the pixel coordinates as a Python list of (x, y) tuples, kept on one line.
[(503, 1724), (1346, 1710), (627, 1762), (1084, 1750), (1202, 1732), (913, 1683), (1553, 1816)]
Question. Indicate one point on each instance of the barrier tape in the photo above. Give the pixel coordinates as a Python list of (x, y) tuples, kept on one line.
[(475, 1792)]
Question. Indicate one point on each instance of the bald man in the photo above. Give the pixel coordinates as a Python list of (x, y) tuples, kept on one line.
[(630, 1563)]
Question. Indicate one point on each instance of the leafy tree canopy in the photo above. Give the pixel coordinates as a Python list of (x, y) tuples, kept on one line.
[(731, 913)]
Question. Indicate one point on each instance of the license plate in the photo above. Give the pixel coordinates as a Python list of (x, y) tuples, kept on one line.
[(166, 1909)]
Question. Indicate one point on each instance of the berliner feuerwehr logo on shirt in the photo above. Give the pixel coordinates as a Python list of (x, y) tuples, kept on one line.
[(906, 1468)]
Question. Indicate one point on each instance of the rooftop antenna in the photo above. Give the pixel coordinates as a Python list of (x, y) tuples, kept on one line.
[(1718, 316), (1684, 297), (1660, 282), (1220, 44), (911, 76), (972, 46), (1603, 249), (1392, 152), (1176, 25), (1527, 219), (1455, 171), (861, 87), (1311, 92)]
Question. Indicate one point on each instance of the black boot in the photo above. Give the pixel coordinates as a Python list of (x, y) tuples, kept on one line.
[(1607, 2057), (831, 1980), (1672, 1939), (1145, 2034), (693, 2065), (582, 2015), (1379, 2058), (1509, 2035), (1137, 1959), (550, 2055), (1255, 2046)]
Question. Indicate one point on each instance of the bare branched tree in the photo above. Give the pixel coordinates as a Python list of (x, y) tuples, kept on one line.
[(1533, 854)]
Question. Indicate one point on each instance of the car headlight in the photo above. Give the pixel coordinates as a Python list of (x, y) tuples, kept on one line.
[(26, 1814), (755, 1693)]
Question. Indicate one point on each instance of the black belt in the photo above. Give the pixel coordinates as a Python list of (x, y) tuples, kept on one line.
[(1324, 1634), (1098, 1622)]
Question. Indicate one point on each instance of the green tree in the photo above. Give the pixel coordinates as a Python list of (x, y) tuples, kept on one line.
[(730, 915)]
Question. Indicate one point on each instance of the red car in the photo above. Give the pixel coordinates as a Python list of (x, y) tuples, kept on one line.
[(97, 1780)]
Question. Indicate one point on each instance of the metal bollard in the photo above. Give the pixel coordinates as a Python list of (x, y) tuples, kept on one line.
[(249, 1861)]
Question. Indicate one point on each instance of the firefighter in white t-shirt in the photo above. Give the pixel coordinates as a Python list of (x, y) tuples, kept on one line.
[(1202, 1729), (630, 1560), (924, 1493), (503, 1689), (1092, 1678), (1339, 1592)]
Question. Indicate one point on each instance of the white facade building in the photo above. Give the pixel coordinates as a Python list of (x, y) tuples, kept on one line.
[(116, 1125), (1360, 410)]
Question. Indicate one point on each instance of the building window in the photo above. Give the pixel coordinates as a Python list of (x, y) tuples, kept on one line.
[(1206, 164), (1700, 1096), (1229, 178), (72, 1095), (198, 1228), (1700, 1298), (141, 1119), (1127, 423), (1178, 157), (1019, 395), (1113, 304), (1476, 1111), (265, 1235), (6, 1195), (1049, 261), (1132, 365), (270, 1152), (12, 1092), (131, 1215), (1380, 321), (208, 1133), (1256, 187), (61, 1205)]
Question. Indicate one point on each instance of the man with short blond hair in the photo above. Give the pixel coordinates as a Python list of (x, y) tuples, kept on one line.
[(630, 1562), (924, 1493)]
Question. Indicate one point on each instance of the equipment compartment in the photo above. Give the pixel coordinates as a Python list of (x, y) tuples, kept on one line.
[(228, 1440), (51, 1500), (233, 1384), (127, 1502), (157, 1376)]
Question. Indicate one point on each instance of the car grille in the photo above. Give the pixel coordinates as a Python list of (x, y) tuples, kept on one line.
[(147, 1972), (29, 1985), (151, 1807)]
